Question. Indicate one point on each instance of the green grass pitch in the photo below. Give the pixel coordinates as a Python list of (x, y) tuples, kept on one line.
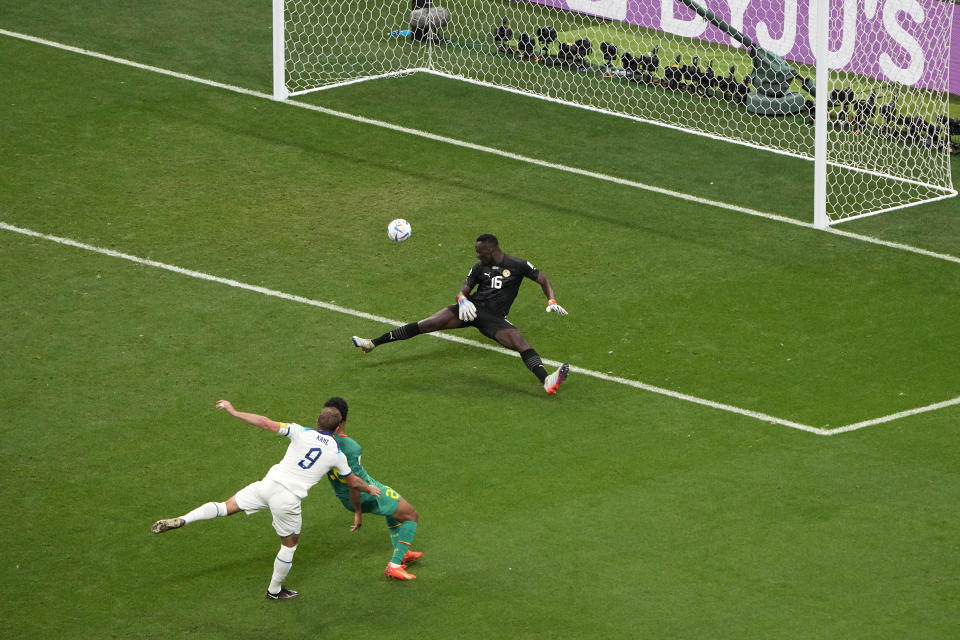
[(608, 511)]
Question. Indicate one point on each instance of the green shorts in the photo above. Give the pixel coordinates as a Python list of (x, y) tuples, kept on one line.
[(385, 505)]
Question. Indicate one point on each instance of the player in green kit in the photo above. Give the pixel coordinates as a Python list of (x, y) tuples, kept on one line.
[(400, 515)]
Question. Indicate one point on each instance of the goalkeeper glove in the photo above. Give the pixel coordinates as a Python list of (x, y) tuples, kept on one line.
[(468, 310), (556, 308)]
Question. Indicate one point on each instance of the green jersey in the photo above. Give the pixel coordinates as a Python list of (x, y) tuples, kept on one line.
[(352, 450), (389, 499)]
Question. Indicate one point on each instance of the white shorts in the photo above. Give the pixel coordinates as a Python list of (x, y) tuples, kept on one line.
[(284, 505)]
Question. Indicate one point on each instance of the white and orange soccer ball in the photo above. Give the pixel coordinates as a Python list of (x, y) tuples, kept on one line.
[(399, 230)]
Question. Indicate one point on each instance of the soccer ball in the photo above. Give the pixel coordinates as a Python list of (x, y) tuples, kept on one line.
[(399, 230)]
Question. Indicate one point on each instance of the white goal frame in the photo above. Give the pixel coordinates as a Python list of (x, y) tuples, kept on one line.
[(821, 150)]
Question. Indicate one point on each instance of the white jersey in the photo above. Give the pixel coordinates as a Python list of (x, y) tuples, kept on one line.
[(310, 456)]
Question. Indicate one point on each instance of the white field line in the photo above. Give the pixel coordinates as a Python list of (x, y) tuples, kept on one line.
[(445, 336), (895, 416), (484, 149), (509, 155)]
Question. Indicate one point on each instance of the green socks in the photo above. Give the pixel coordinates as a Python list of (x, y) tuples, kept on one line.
[(401, 534)]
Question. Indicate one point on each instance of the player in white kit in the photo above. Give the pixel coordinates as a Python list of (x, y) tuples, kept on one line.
[(311, 454)]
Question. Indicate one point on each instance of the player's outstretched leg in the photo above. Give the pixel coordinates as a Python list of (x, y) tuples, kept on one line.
[(165, 525), (555, 379), (365, 345), (407, 331)]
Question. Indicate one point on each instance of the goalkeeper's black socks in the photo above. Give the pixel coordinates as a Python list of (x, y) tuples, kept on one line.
[(405, 332), (532, 359)]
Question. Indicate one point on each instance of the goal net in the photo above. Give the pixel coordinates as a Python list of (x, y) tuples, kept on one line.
[(738, 70)]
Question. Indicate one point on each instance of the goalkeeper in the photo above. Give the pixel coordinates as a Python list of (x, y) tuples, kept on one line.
[(497, 278)]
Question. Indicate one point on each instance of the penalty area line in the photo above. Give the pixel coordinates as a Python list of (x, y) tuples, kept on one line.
[(756, 415), (369, 316), (893, 416)]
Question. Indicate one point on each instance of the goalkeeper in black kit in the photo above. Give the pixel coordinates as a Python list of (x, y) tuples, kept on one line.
[(497, 278)]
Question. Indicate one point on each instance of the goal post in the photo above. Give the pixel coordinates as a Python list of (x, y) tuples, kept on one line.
[(821, 219), (862, 93), (279, 32), (319, 44)]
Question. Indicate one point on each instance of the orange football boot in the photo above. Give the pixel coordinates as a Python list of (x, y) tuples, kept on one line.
[(398, 573)]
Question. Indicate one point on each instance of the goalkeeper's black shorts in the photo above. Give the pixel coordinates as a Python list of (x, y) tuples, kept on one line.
[(486, 323)]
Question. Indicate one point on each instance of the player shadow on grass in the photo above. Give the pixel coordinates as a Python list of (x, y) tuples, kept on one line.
[(227, 565)]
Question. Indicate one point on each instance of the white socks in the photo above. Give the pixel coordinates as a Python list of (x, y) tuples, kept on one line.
[(281, 567), (207, 511)]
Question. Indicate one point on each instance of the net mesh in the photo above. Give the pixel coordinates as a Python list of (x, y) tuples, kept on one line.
[(743, 74), (331, 43)]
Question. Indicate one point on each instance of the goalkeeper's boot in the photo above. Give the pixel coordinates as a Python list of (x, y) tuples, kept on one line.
[(283, 594), (365, 345), (555, 379), (398, 573), (165, 525), (411, 556)]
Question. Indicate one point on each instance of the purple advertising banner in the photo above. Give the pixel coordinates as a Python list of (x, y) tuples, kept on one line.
[(899, 40)]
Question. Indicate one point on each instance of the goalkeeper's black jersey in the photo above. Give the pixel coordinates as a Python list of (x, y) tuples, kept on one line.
[(498, 284)]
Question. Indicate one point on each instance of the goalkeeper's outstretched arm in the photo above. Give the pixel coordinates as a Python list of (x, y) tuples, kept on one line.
[(547, 287)]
